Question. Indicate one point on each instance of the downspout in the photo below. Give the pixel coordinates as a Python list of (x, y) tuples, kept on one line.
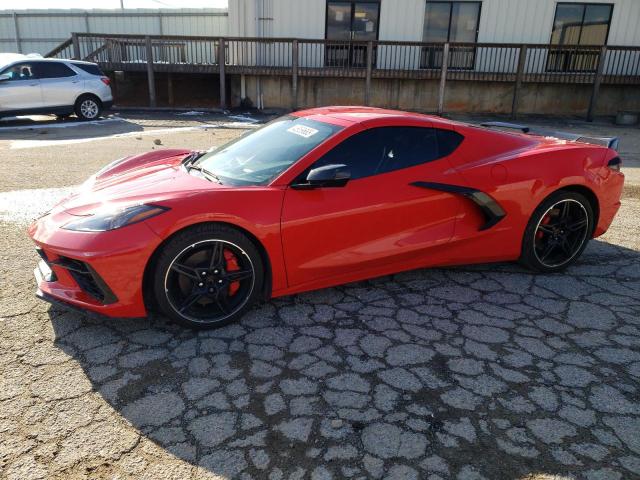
[(259, 15)]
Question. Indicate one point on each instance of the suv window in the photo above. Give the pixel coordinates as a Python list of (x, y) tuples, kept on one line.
[(52, 70), (385, 149), (89, 68), (20, 71)]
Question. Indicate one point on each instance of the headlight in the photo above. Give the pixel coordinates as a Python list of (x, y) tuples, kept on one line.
[(114, 218)]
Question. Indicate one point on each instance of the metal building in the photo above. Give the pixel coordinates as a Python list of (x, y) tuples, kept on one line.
[(589, 22)]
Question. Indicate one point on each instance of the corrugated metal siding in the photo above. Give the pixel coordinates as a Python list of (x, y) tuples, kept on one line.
[(531, 21), (42, 30), (293, 18), (401, 20), (501, 21), (277, 18)]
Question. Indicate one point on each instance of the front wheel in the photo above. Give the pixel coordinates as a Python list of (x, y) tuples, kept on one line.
[(88, 107), (558, 232), (208, 276)]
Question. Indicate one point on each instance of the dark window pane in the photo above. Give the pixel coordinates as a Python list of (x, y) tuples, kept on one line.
[(89, 68), (448, 141), (52, 70), (365, 21), (464, 22), (436, 22), (567, 24), (361, 153), (385, 149), (407, 147), (339, 21), (596, 24)]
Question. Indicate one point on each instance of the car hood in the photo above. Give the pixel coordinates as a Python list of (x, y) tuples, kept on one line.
[(146, 178)]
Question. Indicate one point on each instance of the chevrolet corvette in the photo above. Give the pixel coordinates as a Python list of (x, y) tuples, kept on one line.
[(319, 198)]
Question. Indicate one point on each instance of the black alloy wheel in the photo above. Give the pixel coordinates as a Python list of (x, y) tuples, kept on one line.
[(558, 232), (208, 278)]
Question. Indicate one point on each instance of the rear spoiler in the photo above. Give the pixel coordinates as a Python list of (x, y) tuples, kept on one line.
[(609, 142)]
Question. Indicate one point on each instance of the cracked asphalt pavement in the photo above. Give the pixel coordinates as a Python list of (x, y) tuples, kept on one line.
[(476, 372)]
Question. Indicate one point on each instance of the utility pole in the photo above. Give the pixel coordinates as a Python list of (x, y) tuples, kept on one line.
[(121, 4)]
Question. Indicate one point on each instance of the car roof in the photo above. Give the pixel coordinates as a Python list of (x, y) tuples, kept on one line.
[(7, 59), (351, 115)]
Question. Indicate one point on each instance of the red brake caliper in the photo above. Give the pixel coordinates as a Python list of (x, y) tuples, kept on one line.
[(232, 265), (545, 221)]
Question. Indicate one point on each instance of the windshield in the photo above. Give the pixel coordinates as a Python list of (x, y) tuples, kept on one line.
[(260, 156)]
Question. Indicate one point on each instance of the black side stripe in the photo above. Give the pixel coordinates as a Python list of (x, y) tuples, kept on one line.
[(491, 210)]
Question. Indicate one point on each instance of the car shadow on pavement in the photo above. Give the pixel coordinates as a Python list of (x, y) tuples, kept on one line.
[(487, 371), (69, 129)]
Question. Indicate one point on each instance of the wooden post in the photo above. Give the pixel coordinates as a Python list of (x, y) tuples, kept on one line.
[(76, 46), (16, 28), (443, 78), (150, 75), (221, 60), (170, 89), (367, 84), (522, 59), (596, 84), (294, 74)]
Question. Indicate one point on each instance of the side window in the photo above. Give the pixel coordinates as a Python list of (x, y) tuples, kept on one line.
[(20, 71), (448, 141), (385, 149), (361, 153), (52, 70), (407, 147)]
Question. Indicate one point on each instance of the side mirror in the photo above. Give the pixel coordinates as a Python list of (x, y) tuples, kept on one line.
[(4, 77), (336, 175)]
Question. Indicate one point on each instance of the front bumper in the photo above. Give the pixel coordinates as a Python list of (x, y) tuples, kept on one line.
[(100, 272)]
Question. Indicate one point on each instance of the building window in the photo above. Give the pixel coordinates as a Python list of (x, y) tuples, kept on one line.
[(581, 24), (578, 24), (450, 22), (348, 22)]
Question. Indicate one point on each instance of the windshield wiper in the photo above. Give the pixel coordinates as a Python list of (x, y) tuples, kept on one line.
[(192, 157), (205, 173)]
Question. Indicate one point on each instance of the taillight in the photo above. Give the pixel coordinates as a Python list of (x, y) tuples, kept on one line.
[(615, 164), (106, 80)]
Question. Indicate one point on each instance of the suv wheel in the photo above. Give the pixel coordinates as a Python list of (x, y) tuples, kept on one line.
[(88, 107)]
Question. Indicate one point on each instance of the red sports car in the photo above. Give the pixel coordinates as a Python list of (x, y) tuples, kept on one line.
[(318, 198)]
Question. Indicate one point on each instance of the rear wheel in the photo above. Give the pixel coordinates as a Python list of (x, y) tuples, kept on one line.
[(208, 276), (558, 232), (88, 107)]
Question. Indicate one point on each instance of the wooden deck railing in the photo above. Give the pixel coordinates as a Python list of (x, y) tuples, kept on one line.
[(489, 62)]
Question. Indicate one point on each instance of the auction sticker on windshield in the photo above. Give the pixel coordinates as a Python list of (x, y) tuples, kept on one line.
[(303, 131)]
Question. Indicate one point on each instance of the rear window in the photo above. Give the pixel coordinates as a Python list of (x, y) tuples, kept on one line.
[(89, 68)]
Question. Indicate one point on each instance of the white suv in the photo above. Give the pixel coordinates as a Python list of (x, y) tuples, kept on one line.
[(30, 84)]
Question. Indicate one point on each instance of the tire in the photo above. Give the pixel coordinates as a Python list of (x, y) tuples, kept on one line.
[(88, 107), (558, 232), (193, 281)]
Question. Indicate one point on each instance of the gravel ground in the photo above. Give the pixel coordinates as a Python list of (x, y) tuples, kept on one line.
[(477, 372)]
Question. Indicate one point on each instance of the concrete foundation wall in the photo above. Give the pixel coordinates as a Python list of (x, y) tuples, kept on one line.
[(422, 95)]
